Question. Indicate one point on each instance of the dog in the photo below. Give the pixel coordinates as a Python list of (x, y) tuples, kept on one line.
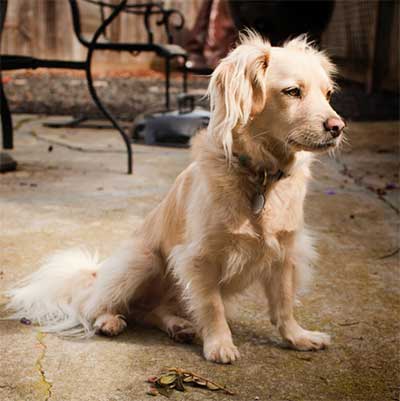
[(232, 219)]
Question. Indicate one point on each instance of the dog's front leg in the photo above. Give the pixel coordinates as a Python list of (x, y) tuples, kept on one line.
[(281, 292), (217, 337), (207, 311)]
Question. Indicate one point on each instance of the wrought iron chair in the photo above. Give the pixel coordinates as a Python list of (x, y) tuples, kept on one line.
[(167, 51)]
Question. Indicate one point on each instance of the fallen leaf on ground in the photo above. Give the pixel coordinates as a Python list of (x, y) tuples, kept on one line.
[(176, 379)]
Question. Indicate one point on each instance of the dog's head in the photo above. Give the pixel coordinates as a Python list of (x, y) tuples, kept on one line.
[(275, 92)]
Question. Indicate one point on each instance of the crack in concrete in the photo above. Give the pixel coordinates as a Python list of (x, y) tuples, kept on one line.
[(345, 171), (9, 386), (35, 135), (393, 207), (43, 384), (24, 121)]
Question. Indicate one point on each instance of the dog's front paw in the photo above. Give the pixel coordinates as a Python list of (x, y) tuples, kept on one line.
[(109, 325), (221, 351), (305, 340)]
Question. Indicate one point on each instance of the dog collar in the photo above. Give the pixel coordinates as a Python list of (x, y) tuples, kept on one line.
[(261, 180)]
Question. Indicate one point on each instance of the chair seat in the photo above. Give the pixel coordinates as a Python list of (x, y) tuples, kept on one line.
[(163, 50)]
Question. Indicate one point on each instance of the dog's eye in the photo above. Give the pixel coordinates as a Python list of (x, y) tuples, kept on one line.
[(294, 92), (329, 95)]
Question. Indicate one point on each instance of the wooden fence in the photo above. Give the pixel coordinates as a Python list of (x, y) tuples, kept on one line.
[(362, 35), (43, 28)]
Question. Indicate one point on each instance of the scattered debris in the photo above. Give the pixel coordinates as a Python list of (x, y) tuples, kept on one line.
[(330, 192), (348, 323), (176, 379), (152, 391), (389, 255), (26, 321), (390, 186), (379, 191)]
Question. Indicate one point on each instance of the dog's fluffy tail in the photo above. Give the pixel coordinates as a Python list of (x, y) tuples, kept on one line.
[(53, 296)]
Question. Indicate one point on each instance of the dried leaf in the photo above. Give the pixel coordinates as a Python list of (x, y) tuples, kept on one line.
[(176, 378), (165, 391), (200, 382), (165, 380), (153, 392), (152, 379)]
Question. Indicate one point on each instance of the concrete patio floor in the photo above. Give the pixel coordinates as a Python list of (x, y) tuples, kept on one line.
[(71, 189)]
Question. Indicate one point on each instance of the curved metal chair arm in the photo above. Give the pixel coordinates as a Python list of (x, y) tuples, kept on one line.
[(146, 9), (128, 6), (92, 46), (167, 22)]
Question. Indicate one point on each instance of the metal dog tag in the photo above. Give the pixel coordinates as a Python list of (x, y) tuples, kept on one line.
[(258, 203)]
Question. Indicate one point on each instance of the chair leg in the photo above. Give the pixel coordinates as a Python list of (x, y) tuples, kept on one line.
[(6, 119), (167, 81), (100, 30), (106, 112), (184, 75)]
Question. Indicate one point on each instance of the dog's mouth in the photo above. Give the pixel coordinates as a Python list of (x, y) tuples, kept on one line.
[(315, 146)]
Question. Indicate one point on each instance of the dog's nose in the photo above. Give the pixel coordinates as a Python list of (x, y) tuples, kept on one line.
[(334, 126)]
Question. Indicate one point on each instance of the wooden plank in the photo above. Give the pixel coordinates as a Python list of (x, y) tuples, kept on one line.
[(43, 28)]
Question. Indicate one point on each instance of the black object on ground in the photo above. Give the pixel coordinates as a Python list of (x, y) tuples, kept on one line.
[(172, 128), (7, 163)]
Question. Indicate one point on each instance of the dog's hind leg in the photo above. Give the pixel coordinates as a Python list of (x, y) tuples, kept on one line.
[(163, 317), (109, 325), (120, 280)]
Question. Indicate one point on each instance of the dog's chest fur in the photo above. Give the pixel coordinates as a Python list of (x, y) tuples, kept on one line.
[(259, 241)]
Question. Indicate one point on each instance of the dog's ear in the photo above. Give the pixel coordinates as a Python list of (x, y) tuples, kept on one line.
[(237, 88)]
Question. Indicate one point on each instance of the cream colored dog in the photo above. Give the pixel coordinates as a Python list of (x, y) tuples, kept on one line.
[(233, 217)]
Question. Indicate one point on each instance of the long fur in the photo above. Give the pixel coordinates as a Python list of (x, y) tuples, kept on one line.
[(203, 244), (51, 296)]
